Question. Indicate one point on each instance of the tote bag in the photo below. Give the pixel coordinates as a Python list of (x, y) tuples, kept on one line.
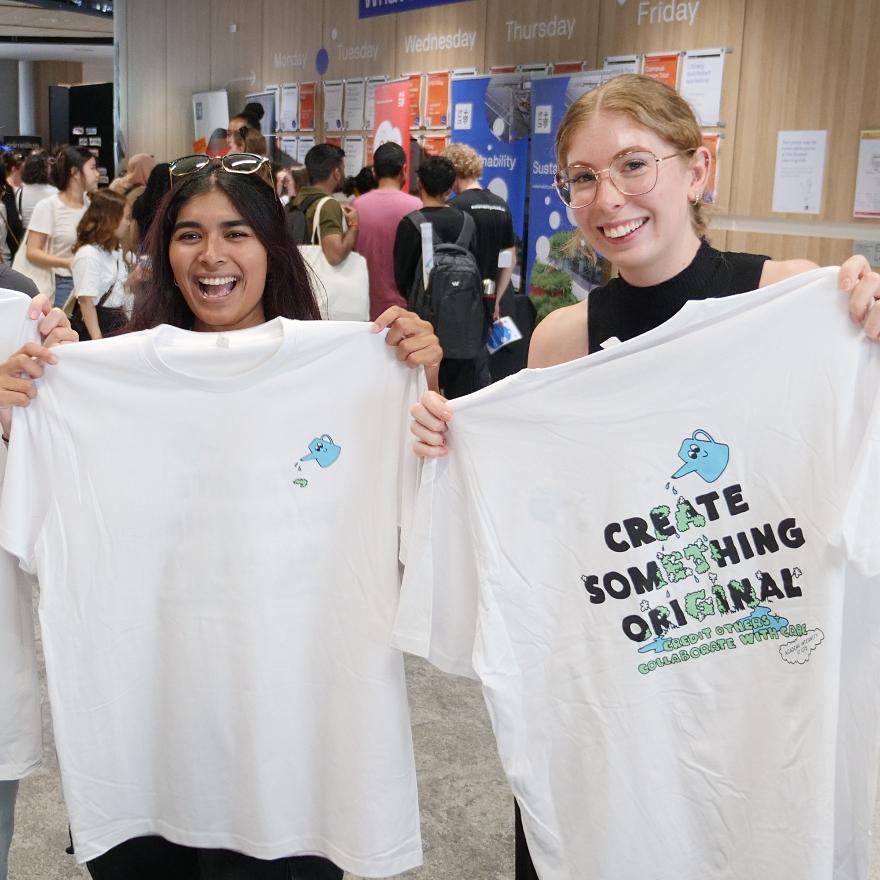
[(342, 291), (42, 277)]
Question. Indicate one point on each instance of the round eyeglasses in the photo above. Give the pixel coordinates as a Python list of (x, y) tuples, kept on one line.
[(632, 174), (234, 163)]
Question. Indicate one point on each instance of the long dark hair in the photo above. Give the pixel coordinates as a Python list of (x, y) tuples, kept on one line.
[(144, 207), (287, 292)]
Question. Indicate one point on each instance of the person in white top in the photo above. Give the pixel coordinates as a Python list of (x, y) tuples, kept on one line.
[(35, 185), (28, 329), (52, 230), (99, 270), (222, 261), (632, 173)]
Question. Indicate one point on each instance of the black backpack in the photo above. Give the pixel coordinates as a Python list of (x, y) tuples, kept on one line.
[(453, 300)]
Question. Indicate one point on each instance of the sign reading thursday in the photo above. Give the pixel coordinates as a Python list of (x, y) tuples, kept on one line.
[(368, 8)]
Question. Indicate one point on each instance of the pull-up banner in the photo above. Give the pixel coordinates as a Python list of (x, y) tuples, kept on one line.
[(369, 8)]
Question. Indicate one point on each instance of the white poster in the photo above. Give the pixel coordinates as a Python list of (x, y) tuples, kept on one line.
[(702, 76), (800, 164), (288, 146), (867, 202), (870, 250), (354, 154), (370, 101), (353, 119), (289, 115), (333, 91), (303, 145), (210, 112)]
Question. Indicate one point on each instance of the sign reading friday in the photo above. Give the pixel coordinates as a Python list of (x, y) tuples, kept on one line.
[(369, 8)]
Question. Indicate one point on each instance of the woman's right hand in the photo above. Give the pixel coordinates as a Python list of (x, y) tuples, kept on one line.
[(17, 375), (431, 417)]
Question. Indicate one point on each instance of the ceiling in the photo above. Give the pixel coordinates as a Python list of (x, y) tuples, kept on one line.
[(31, 23)]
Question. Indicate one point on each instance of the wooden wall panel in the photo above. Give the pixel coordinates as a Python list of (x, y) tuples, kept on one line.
[(357, 47), (716, 24), (292, 35), (235, 36), (824, 251), (442, 37), (811, 68), (147, 76), (189, 70), (523, 32)]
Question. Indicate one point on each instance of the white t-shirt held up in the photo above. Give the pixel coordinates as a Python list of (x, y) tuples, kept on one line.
[(662, 563), (215, 522)]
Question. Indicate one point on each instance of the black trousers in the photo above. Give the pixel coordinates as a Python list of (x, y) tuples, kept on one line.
[(523, 869), (154, 858)]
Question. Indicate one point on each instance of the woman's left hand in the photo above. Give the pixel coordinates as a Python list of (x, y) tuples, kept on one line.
[(54, 326), (862, 284), (416, 344)]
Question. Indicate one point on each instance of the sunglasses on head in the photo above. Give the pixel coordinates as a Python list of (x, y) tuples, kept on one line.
[(234, 163)]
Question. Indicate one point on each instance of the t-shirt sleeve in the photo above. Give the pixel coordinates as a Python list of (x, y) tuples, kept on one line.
[(42, 218), (508, 239), (861, 519), (331, 218), (437, 613), (24, 501), (86, 271), (407, 255)]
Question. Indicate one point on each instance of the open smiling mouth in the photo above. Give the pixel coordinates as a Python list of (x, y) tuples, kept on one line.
[(217, 288), (623, 230)]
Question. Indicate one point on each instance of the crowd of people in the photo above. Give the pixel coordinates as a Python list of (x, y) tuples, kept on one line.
[(211, 247)]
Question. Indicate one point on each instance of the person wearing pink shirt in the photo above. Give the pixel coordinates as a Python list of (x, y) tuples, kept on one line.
[(380, 211)]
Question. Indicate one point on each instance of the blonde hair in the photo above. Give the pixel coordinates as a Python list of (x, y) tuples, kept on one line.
[(646, 102), (467, 161)]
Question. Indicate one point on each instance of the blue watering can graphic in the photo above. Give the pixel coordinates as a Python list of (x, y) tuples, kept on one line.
[(323, 450), (702, 454)]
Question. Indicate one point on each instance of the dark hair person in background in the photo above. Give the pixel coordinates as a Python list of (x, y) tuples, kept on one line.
[(13, 164), (144, 207), (250, 117), (361, 183), (52, 230)]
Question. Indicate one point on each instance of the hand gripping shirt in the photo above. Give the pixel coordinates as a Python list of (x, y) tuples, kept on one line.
[(20, 729), (214, 518), (661, 561)]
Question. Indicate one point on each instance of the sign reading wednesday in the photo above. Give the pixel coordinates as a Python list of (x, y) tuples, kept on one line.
[(369, 8)]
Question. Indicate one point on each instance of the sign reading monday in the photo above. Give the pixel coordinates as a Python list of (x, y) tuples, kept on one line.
[(368, 8)]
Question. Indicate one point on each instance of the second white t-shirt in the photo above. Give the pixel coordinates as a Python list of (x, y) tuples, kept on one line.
[(20, 733), (661, 562), (55, 219)]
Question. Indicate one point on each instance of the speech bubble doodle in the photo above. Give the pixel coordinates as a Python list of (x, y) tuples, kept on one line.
[(701, 454), (800, 650)]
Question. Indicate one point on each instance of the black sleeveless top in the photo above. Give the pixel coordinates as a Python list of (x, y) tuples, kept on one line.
[(621, 310)]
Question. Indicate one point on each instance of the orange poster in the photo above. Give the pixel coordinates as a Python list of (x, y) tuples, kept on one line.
[(437, 102), (433, 146), (568, 67), (391, 116), (334, 139), (415, 100), (663, 68), (711, 141), (502, 68), (307, 106)]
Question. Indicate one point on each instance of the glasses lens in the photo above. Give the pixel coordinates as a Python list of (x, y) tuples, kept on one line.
[(576, 186), (634, 173), (187, 165), (242, 163)]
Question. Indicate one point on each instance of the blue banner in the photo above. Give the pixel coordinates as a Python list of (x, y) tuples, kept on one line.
[(551, 223), (491, 114), (369, 8)]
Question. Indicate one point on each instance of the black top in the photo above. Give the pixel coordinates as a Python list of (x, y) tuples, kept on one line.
[(408, 243), (622, 310), (494, 226)]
